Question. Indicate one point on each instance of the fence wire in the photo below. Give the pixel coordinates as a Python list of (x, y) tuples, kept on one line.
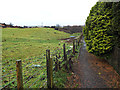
[(58, 53)]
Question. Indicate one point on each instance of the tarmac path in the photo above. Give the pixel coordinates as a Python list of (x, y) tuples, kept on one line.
[(91, 72)]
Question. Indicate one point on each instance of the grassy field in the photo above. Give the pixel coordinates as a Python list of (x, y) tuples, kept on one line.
[(24, 43), (30, 45)]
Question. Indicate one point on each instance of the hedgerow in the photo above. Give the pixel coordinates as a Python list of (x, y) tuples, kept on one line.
[(100, 28)]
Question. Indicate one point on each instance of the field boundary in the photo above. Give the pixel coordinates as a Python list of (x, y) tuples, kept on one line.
[(53, 64)]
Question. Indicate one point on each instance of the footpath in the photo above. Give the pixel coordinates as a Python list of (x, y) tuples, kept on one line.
[(91, 72)]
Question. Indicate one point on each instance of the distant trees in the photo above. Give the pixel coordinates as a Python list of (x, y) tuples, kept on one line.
[(57, 26), (25, 26), (73, 29), (11, 25), (46, 26), (52, 26), (102, 28), (6, 25)]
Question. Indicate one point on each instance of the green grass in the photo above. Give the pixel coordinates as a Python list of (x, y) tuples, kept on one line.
[(60, 78), (30, 46), (23, 43)]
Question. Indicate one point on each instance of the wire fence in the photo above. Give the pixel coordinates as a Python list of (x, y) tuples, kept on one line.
[(59, 60), (31, 69), (34, 70)]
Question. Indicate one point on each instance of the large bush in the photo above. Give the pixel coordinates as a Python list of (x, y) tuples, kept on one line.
[(100, 30)]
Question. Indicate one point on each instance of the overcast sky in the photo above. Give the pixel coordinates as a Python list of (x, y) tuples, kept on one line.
[(48, 12)]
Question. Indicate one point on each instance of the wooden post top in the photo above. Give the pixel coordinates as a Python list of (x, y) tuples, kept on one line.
[(48, 50), (18, 60)]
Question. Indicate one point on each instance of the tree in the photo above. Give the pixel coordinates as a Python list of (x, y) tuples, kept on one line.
[(57, 26), (11, 24)]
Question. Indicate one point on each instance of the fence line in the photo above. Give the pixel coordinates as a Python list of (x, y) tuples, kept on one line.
[(15, 70), (66, 60)]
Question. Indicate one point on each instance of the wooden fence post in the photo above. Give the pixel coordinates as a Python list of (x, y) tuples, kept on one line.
[(19, 74), (64, 52), (80, 39), (70, 64), (59, 65), (76, 43), (65, 55), (56, 64), (49, 65), (74, 47)]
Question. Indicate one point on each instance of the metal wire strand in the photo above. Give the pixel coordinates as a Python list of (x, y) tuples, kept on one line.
[(35, 81), (32, 76), (9, 83), (8, 74)]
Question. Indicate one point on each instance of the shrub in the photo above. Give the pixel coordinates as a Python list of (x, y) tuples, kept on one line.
[(101, 31)]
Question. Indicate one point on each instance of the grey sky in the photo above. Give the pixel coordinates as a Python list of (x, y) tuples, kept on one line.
[(50, 12)]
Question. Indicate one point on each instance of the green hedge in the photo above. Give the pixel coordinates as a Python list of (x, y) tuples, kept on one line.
[(100, 30)]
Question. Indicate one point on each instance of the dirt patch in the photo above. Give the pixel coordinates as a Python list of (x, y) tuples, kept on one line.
[(73, 81), (106, 72)]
